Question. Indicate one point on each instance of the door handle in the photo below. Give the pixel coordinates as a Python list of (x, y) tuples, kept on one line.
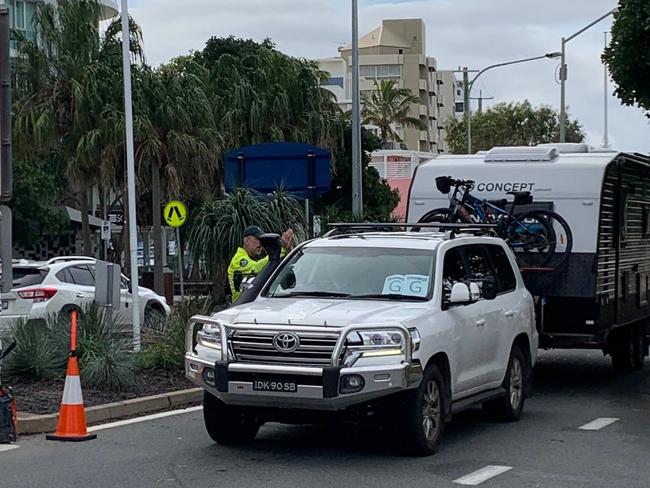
[(480, 322), (80, 295), (508, 313)]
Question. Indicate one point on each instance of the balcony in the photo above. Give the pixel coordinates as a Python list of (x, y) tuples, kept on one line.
[(423, 111), (423, 85)]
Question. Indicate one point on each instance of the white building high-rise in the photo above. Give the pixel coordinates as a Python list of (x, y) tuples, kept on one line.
[(396, 51), (22, 13)]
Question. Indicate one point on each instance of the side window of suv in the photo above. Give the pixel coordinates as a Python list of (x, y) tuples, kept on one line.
[(502, 269), (453, 270), (82, 275), (480, 270)]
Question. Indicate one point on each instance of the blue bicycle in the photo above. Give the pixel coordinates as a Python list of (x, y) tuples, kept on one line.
[(540, 239)]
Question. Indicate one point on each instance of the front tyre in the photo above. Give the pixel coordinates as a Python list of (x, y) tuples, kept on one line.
[(508, 408), (228, 424), (420, 416)]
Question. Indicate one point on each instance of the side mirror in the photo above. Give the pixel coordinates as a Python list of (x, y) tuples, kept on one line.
[(460, 294), (288, 280)]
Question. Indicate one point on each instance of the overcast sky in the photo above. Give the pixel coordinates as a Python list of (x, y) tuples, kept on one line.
[(473, 33)]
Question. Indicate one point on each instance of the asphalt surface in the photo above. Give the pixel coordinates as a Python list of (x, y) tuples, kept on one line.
[(545, 449)]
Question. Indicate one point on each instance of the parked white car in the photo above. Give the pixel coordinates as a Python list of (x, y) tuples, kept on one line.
[(403, 327), (42, 289)]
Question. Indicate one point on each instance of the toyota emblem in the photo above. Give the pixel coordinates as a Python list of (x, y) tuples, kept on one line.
[(286, 342)]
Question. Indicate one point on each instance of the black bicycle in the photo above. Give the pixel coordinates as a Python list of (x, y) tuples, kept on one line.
[(539, 238)]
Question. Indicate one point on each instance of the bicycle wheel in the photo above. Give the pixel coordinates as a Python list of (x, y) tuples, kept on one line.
[(531, 238), (562, 235), (437, 215)]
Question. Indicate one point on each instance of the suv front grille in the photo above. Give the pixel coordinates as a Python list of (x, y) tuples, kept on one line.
[(257, 347)]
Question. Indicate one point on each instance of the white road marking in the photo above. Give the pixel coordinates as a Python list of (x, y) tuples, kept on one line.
[(8, 447), (483, 474), (599, 423), (162, 415)]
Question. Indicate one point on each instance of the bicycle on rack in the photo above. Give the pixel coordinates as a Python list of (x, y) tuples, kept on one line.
[(8, 411), (539, 238)]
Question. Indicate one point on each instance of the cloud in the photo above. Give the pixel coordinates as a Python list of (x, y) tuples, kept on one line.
[(473, 33)]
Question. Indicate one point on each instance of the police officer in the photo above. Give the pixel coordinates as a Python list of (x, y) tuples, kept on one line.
[(246, 262)]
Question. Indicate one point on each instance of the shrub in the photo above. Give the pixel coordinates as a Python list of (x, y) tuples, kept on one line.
[(104, 348), (164, 344), (37, 356)]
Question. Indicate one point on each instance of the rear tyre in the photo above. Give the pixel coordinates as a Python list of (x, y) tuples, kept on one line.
[(228, 424), (531, 238), (627, 348), (509, 407), (419, 417), (153, 316), (561, 234)]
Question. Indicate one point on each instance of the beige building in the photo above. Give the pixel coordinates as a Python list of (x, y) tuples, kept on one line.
[(396, 51)]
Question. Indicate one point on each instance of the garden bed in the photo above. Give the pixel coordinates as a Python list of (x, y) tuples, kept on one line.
[(43, 397)]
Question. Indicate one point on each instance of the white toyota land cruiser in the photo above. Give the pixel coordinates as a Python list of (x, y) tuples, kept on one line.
[(404, 327)]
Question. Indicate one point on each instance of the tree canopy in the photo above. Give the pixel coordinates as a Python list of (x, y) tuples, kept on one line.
[(628, 55), (387, 105), (510, 124)]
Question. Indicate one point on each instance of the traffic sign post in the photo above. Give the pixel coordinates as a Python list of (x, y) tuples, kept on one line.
[(175, 215)]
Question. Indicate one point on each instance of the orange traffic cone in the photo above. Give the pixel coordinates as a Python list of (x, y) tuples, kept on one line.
[(72, 417)]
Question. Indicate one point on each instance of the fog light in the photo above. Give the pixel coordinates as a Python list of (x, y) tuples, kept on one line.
[(352, 383), (208, 376)]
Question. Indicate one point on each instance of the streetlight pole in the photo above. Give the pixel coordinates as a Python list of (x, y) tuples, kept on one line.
[(357, 178), (564, 72), (130, 165), (471, 84)]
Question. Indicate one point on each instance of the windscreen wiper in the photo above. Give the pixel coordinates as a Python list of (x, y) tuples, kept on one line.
[(325, 294), (390, 296)]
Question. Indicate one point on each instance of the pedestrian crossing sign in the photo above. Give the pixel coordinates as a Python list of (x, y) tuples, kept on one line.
[(175, 213)]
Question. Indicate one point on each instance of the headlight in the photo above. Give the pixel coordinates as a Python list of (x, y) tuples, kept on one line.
[(374, 343), (209, 336), (381, 338)]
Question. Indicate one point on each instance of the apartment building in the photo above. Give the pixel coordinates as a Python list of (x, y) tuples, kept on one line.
[(22, 13), (397, 51)]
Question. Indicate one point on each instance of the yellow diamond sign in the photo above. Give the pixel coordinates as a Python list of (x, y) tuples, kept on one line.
[(175, 213)]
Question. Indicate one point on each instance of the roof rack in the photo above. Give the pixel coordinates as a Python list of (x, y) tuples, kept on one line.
[(361, 227), (65, 259)]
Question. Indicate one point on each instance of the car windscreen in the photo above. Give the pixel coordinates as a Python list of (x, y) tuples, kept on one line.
[(356, 273), (28, 276)]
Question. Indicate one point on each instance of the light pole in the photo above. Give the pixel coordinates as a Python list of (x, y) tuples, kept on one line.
[(471, 84), (564, 73), (130, 165), (357, 178)]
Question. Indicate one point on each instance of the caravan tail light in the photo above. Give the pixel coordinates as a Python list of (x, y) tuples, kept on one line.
[(37, 294)]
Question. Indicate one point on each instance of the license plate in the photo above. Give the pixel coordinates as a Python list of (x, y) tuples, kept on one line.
[(276, 386)]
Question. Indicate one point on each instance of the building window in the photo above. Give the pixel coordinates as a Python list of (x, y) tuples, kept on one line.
[(381, 72), (460, 107)]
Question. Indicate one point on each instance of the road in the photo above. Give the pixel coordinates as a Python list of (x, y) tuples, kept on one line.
[(546, 449)]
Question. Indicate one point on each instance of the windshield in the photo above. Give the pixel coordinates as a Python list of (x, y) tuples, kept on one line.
[(357, 273)]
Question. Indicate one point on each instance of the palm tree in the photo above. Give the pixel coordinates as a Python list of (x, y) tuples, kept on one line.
[(65, 82), (177, 141), (388, 105)]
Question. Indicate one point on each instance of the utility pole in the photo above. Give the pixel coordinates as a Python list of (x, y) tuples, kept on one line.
[(466, 102), (357, 176), (6, 177), (480, 99)]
